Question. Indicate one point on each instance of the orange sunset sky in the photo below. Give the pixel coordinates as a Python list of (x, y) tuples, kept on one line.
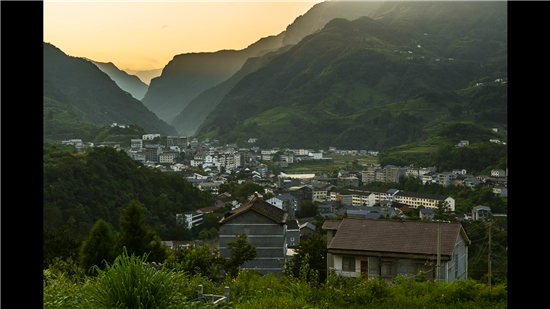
[(146, 35)]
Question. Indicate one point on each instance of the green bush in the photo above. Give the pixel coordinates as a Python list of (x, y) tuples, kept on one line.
[(128, 284)]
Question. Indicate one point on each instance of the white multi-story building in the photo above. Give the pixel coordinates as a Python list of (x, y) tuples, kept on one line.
[(149, 136), (136, 143)]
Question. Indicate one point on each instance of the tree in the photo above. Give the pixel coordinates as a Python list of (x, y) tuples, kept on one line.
[(442, 212), (315, 247), (204, 235), (307, 209), (59, 244), (204, 259), (137, 236), (242, 251), (98, 248)]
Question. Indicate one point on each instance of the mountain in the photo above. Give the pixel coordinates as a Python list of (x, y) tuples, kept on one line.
[(193, 115), (146, 75), (91, 95), (187, 75), (334, 80), (126, 82)]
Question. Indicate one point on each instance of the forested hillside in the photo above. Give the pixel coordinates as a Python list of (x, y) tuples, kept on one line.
[(191, 117), (440, 150), (356, 66), (81, 87), (100, 183)]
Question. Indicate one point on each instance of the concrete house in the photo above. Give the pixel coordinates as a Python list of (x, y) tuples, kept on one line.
[(190, 218), (500, 191), (221, 201), (292, 233), (498, 173), (480, 212), (266, 227), (285, 202), (301, 194), (391, 248), (307, 229), (152, 153), (427, 213)]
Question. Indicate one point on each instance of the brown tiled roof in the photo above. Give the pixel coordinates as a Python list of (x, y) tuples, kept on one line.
[(415, 237), (209, 208), (331, 224), (260, 206)]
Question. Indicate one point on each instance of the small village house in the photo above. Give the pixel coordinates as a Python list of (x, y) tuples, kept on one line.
[(390, 248)]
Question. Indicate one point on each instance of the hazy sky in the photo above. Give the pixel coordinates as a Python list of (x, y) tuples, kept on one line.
[(145, 35)]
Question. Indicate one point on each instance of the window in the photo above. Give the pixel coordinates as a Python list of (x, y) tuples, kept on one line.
[(388, 269), (348, 263)]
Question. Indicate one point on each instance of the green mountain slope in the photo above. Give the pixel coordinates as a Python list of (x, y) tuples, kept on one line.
[(188, 120), (187, 75), (354, 66), (92, 95), (126, 82), (425, 153)]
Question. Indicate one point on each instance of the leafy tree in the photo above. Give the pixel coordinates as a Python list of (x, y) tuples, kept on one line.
[(242, 251), (315, 248), (204, 235), (59, 244), (137, 236), (98, 248), (442, 212), (204, 260), (307, 209)]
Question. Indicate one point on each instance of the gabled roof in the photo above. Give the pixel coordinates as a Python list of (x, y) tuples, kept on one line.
[(227, 199), (207, 209), (308, 225), (414, 237), (284, 197), (292, 225), (331, 224), (260, 206)]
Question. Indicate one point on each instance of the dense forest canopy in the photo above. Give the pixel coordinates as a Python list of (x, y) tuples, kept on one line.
[(101, 182)]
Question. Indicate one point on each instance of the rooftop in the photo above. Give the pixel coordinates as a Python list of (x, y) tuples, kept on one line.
[(414, 237), (260, 206)]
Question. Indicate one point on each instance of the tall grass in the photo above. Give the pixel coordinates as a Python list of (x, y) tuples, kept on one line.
[(128, 284)]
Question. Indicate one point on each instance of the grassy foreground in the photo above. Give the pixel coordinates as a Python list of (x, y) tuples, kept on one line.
[(127, 284)]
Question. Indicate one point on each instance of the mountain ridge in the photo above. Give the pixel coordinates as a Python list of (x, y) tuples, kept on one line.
[(351, 65), (127, 82), (92, 92)]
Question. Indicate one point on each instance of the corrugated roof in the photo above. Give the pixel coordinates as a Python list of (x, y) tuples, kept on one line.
[(415, 237), (260, 206)]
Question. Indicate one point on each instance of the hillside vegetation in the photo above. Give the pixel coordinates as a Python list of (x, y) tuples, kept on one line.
[(351, 72), (91, 96), (101, 182), (440, 150)]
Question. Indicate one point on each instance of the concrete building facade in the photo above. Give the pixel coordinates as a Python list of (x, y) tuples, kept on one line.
[(266, 229)]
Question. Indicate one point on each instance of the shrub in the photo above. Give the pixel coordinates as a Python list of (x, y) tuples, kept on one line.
[(128, 284)]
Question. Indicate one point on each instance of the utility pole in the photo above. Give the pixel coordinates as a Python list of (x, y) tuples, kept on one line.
[(438, 249), (489, 257)]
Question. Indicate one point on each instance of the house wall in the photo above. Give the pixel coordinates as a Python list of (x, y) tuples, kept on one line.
[(266, 235), (454, 269)]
